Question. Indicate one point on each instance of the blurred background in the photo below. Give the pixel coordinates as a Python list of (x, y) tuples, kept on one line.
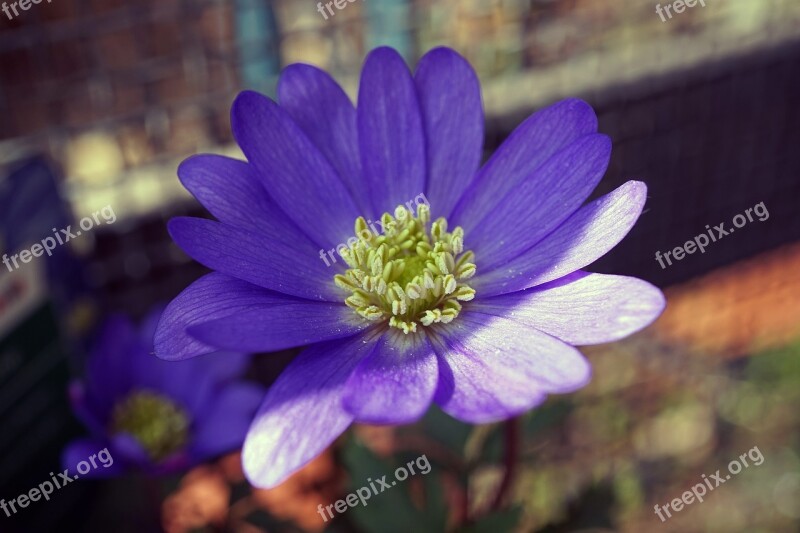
[(100, 101)]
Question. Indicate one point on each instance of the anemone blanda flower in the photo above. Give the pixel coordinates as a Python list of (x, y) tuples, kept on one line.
[(477, 311), (157, 416)]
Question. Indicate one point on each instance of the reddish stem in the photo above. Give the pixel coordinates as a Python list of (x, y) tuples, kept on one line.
[(511, 428), (463, 507)]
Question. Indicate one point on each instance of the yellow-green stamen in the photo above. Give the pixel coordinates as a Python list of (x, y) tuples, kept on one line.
[(155, 421), (408, 275)]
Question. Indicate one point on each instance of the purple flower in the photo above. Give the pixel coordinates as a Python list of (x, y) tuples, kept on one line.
[(157, 416), (477, 311)]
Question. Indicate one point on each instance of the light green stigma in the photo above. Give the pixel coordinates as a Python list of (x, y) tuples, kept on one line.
[(160, 426), (408, 275)]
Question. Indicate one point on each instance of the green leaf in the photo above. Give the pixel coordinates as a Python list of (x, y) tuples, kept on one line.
[(435, 512), (779, 365), (548, 415), (391, 510), (445, 429)]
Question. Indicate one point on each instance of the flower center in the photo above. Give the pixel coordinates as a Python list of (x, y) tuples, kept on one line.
[(409, 274), (160, 426)]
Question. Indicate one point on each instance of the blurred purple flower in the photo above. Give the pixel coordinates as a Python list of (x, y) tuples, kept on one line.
[(157, 416), (479, 315)]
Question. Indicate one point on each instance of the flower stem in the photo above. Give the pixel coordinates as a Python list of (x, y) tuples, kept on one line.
[(511, 428), (463, 518)]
